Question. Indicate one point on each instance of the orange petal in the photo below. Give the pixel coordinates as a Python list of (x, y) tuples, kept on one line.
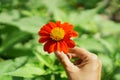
[(43, 33), (52, 47), (46, 28), (74, 34), (64, 47), (67, 27), (70, 34), (43, 39), (58, 23), (67, 37), (58, 46), (47, 46), (52, 25), (70, 43)]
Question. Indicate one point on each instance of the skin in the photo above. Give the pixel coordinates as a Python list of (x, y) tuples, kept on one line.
[(87, 67)]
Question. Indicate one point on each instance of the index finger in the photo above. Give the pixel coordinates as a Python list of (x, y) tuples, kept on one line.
[(81, 53)]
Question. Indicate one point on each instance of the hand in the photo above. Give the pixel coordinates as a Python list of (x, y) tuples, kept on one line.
[(88, 67)]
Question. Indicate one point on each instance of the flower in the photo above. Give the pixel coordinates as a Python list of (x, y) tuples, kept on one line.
[(57, 36)]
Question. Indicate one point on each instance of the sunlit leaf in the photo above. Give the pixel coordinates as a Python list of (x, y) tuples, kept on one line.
[(26, 71), (30, 24), (89, 43)]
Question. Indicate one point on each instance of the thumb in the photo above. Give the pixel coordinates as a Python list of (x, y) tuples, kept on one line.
[(64, 59)]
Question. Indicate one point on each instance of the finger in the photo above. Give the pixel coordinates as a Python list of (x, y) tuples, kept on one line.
[(81, 53), (63, 59), (70, 55), (77, 62)]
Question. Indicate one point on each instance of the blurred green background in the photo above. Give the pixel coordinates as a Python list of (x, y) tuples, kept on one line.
[(23, 58)]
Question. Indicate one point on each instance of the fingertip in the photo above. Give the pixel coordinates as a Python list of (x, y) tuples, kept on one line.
[(63, 58), (72, 50), (82, 53), (57, 52)]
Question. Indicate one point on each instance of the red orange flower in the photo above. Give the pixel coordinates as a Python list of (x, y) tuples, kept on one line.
[(57, 36)]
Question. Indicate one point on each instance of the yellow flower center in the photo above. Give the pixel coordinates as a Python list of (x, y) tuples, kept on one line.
[(57, 34)]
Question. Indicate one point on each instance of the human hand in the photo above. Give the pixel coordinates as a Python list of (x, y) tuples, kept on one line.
[(88, 67)]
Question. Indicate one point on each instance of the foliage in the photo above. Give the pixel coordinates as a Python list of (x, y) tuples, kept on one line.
[(23, 58)]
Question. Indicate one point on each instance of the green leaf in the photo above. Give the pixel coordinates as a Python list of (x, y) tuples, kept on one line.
[(52, 5), (59, 15), (109, 27), (107, 64), (90, 44), (13, 38), (106, 45), (84, 19), (117, 76), (5, 78), (27, 71), (9, 17), (17, 52), (45, 59), (10, 65), (30, 24), (6, 66)]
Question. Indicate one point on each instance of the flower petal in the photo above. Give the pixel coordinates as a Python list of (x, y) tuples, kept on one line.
[(58, 46), (49, 46), (64, 47), (67, 27), (43, 33), (70, 43), (70, 34), (44, 39), (74, 34), (58, 23), (52, 25), (46, 28), (52, 47)]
